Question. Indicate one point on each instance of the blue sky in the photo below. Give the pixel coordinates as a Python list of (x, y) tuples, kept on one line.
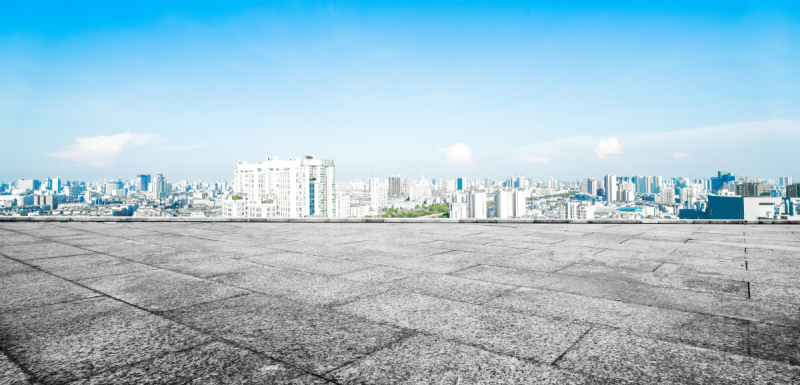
[(92, 90)]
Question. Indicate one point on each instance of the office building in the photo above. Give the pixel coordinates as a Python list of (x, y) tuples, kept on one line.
[(460, 184), (793, 190), (141, 182), (753, 189), (784, 181), (112, 187)]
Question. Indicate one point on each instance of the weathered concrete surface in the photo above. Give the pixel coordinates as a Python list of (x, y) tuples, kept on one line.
[(383, 303)]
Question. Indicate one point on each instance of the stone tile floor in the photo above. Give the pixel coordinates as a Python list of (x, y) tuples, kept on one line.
[(420, 303)]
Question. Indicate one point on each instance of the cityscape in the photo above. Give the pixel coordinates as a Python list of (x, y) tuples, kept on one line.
[(399, 192), (307, 187)]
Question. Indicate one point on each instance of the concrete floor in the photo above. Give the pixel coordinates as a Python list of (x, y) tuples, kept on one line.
[(399, 303)]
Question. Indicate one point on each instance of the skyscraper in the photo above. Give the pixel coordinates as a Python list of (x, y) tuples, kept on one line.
[(460, 184), (611, 187)]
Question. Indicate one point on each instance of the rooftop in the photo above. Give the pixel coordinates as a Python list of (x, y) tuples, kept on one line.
[(458, 303)]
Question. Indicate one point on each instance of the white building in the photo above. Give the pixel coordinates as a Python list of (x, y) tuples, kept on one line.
[(519, 204), (378, 195), (503, 207), (576, 210), (342, 206), (301, 186), (611, 187), (476, 205), (458, 211)]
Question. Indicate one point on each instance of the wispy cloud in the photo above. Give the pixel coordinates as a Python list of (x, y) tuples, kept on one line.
[(458, 154), (647, 151), (533, 159), (98, 151), (608, 148)]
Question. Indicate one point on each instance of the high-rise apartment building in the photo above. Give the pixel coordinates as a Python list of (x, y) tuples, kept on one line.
[(159, 188), (476, 204), (458, 211), (519, 204), (503, 207), (592, 186), (301, 187), (611, 187), (397, 186), (378, 196)]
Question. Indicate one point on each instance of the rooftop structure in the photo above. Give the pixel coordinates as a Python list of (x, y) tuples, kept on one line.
[(227, 302)]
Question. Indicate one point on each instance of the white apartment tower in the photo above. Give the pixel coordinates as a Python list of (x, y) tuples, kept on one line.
[(519, 206), (378, 194), (301, 186), (611, 187), (503, 205), (476, 205)]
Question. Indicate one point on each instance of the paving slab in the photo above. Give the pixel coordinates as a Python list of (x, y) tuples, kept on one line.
[(450, 287), (309, 263), (11, 374), (40, 249), (423, 359), (315, 339), (10, 266), (511, 333), (619, 356), (300, 286), (65, 342), (88, 266), (215, 363), (557, 282), (160, 290), (36, 288)]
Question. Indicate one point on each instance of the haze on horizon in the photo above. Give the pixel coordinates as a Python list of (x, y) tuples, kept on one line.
[(92, 90)]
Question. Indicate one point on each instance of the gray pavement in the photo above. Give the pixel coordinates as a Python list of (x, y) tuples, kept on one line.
[(398, 303)]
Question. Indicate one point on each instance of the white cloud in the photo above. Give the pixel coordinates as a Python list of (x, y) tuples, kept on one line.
[(680, 155), (457, 154), (608, 147), (97, 151)]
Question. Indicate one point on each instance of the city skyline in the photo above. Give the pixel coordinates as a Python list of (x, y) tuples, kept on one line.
[(577, 90)]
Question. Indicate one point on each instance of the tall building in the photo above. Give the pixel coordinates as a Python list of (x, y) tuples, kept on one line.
[(753, 189), (784, 181), (611, 187), (576, 210), (378, 196), (396, 186), (519, 204), (793, 190), (592, 186), (159, 188), (476, 204), (461, 184), (112, 186), (503, 207), (141, 182), (301, 186)]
